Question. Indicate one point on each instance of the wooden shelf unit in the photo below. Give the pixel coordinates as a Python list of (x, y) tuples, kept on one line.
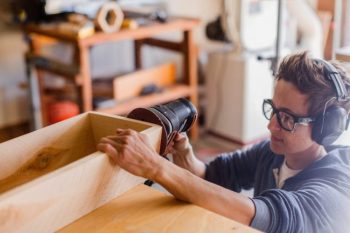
[(187, 87)]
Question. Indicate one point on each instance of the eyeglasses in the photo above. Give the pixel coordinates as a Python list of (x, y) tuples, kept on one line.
[(286, 121)]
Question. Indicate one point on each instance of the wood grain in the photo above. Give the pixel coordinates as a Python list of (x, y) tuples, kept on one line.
[(19, 153), (143, 209), (53, 176)]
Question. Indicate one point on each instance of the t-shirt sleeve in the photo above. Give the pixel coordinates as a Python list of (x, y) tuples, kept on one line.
[(319, 206)]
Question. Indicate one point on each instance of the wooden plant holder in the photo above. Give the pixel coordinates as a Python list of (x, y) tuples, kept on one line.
[(53, 176)]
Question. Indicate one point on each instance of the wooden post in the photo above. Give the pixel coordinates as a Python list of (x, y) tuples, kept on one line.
[(36, 47), (138, 53), (78, 80), (190, 73), (86, 94)]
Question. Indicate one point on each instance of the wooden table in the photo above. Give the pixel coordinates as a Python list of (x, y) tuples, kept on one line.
[(144, 209), (80, 72)]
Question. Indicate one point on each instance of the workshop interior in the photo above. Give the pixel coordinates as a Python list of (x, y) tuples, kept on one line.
[(73, 71)]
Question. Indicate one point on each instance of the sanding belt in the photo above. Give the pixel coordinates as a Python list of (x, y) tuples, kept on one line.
[(150, 115)]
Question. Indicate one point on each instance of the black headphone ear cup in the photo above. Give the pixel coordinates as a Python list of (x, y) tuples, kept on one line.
[(328, 127), (316, 129)]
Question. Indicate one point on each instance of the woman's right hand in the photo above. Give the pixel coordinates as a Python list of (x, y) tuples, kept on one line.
[(183, 155)]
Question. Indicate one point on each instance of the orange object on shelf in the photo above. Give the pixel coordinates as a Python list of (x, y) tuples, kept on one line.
[(61, 110)]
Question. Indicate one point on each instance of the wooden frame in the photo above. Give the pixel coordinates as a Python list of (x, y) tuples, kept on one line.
[(53, 176)]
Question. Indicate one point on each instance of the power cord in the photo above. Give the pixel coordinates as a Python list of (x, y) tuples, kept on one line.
[(151, 182)]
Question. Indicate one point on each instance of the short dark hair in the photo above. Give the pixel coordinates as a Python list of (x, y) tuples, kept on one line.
[(307, 75)]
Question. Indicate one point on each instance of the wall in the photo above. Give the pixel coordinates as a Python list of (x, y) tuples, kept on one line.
[(14, 106), (205, 10)]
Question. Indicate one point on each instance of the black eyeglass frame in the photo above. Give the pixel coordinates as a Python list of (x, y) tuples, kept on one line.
[(296, 119)]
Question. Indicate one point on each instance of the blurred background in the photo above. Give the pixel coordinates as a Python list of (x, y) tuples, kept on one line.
[(235, 45)]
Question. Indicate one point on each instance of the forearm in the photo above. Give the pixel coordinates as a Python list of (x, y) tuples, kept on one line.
[(190, 162), (188, 187)]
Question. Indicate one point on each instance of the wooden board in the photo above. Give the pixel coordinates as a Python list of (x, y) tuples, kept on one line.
[(169, 94), (130, 85), (143, 209), (53, 176)]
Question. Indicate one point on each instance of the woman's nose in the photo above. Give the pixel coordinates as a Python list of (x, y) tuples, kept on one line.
[(273, 124)]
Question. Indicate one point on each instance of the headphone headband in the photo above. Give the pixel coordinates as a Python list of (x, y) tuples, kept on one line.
[(332, 74)]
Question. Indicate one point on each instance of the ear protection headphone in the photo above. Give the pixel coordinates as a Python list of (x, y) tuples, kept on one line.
[(332, 122)]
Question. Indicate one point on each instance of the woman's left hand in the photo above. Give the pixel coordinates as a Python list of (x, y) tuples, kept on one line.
[(131, 151)]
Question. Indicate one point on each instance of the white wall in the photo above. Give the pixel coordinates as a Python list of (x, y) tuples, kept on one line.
[(205, 10)]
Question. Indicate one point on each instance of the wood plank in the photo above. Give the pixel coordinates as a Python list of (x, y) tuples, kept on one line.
[(143, 209), (142, 32), (170, 45), (190, 54), (138, 54), (100, 37), (130, 85), (68, 71), (53, 176), (167, 95), (86, 89)]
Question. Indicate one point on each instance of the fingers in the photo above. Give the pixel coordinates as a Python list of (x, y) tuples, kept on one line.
[(180, 137), (109, 150), (116, 144), (125, 132), (171, 144), (112, 140), (105, 148), (128, 136)]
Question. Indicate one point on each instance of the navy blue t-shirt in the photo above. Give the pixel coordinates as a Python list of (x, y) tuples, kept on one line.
[(317, 199)]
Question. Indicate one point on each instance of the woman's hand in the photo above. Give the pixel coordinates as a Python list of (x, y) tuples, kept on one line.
[(183, 155), (132, 151)]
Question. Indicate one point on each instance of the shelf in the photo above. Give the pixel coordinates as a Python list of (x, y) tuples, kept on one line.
[(68, 71), (125, 89), (171, 93), (153, 29)]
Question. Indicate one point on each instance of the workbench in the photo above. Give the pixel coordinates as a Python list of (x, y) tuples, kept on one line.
[(80, 73), (144, 209)]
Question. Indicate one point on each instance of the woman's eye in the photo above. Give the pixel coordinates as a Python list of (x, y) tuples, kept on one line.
[(286, 118)]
